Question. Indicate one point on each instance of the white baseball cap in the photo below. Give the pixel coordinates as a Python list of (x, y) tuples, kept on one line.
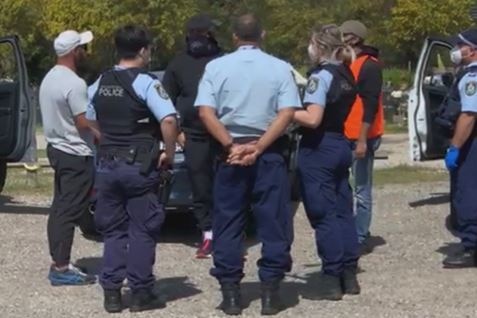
[(68, 40)]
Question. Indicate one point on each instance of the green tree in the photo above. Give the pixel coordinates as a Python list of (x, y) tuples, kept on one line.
[(163, 18), (412, 21)]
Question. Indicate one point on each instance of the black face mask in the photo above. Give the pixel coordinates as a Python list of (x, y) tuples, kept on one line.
[(202, 45)]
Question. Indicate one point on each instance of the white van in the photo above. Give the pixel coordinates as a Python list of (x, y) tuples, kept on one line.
[(434, 75)]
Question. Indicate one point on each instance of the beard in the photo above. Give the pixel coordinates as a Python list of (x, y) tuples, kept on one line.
[(82, 66)]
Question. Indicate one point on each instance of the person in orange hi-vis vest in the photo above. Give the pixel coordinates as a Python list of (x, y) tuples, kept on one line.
[(365, 124)]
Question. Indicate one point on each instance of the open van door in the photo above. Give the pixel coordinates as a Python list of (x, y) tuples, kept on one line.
[(16, 109), (434, 75)]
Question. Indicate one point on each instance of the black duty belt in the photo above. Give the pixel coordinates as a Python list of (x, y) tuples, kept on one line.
[(130, 155)]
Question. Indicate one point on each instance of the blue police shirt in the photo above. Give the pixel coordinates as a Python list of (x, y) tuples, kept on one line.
[(247, 88), (317, 88), (145, 88), (468, 91)]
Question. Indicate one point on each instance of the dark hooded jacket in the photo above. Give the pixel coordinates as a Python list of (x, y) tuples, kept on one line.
[(182, 77)]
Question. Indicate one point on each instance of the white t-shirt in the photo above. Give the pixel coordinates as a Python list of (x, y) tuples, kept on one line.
[(64, 95)]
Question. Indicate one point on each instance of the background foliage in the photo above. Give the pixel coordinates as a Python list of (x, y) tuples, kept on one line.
[(397, 27)]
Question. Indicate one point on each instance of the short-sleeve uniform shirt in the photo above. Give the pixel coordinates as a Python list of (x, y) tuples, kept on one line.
[(247, 88), (468, 91), (318, 87)]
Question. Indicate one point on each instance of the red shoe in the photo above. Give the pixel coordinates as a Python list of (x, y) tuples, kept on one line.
[(205, 250)]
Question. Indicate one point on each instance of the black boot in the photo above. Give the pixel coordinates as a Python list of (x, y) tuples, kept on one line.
[(112, 300), (271, 301), (144, 299), (461, 259), (349, 282), (231, 299), (329, 288)]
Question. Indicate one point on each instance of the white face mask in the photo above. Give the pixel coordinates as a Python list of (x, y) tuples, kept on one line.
[(456, 56), (313, 53)]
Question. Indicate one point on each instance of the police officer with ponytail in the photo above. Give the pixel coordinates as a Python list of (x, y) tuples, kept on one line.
[(133, 113), (324, 161)]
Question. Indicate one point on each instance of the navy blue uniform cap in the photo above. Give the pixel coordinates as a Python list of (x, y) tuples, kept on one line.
[(467, 37)]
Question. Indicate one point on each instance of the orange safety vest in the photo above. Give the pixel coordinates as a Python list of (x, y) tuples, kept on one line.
[(355, 118)]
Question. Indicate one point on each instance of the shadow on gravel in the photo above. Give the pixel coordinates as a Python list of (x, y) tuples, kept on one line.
[(175, 288), (371, 243), (433, 199), (309, 288), (9, 206), (289, 292), (170, 289), (91, 265), (449, 248)]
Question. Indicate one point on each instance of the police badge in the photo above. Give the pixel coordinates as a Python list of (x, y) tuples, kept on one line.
[(312, 85), (161, 91), (470, 88)]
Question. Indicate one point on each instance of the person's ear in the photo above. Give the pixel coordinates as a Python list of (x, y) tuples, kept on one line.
[(235, 38), (264, 33)]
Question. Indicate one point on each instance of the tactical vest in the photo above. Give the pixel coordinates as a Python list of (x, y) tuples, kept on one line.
[(450, 109), (339, 99), (355, 119), (124, 118)]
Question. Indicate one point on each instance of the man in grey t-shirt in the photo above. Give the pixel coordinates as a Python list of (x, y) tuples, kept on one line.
[(63, 101)]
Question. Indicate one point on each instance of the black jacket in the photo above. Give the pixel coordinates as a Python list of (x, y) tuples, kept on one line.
[(370, 83), (181, 81)]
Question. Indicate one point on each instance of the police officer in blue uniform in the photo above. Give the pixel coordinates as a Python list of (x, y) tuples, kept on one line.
[(246, 100), (324, 160), (461, 157), (133, 113)]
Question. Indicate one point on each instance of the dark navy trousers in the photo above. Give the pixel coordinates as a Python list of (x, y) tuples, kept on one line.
[(323, 166), (129, 216), (265, 187), (464, 194)]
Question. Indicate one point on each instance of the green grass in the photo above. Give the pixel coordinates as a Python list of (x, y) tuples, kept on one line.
[(20, 183), (408, 175)]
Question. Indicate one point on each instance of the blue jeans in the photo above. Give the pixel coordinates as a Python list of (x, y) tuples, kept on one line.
[(362, 170)]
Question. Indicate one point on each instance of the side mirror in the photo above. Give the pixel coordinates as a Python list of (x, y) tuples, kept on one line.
[(448, 79)]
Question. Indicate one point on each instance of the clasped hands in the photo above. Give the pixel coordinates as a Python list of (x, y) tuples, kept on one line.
[(243, 154)]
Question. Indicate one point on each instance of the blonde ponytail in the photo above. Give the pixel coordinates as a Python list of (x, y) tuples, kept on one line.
[(347, 55), (331, 43)]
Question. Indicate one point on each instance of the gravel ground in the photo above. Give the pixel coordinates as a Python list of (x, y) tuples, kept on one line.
[(403, 277)]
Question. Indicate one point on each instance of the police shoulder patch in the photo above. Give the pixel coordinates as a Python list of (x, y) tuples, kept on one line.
[(312, 85), (471, 88), (161, 91)]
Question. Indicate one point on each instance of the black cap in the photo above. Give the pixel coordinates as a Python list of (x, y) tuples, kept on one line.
[(467, 37), (200, 22)]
